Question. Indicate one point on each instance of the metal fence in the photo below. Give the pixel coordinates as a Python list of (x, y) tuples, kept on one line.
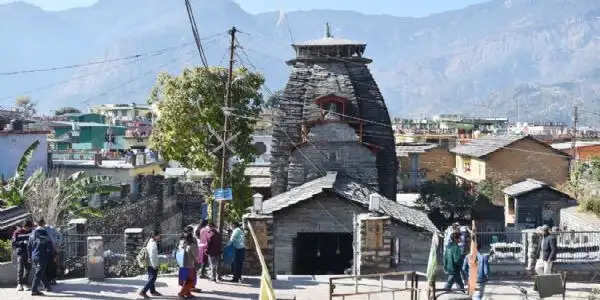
[(513, 247)]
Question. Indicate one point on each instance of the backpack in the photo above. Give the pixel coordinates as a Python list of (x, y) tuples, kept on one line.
[(142, 257), (42, 244)]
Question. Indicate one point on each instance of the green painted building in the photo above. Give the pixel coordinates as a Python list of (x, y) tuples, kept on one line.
[(81, 135)]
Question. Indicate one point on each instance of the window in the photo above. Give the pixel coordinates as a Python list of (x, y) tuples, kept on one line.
[(467, 164), (511, 205)]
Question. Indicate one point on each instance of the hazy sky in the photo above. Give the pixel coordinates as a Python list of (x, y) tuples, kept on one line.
[(413, 8)]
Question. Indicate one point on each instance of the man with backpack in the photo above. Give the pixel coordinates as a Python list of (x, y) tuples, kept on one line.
[(19, 243), (150, 260), (41, 251)]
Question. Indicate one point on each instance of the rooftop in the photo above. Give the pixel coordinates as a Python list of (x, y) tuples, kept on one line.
[(524, 187), (352, 191), (568, 145), (486, 145), (81, 124), (405, 148)]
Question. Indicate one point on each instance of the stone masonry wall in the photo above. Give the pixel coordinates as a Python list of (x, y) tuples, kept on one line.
[(311, 79), (324, 213), (263, 227), (375, 244), (328, 151)]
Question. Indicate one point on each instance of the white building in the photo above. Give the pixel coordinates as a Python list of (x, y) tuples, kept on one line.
[(14, 143)]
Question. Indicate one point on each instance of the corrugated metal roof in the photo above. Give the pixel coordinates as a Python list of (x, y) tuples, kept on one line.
[(402, 150), (350, 190)]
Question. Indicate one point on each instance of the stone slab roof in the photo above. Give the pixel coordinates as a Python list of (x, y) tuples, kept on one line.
[(528, 185), (350, 190), (523, 187), (485, 145), (12, 216)]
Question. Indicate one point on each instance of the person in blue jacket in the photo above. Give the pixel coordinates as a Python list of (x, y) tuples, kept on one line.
[(41, 251)]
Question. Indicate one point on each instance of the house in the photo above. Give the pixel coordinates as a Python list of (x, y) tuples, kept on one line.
[(532, 203), (14, 143), (584, 150), (311, 229), (121, 169), (116, 114), (422, 162), (76, 135), (510, 159)]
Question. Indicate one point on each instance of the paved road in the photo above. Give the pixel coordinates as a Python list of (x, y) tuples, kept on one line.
[(302, 287)]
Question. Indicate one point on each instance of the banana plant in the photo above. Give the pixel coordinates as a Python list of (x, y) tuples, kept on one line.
[(54, 197), (11, 192)]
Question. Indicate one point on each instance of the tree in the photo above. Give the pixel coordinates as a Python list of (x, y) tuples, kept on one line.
[(54, 197), (273, 100), (584, 179), (489, 191), (66, 110), (11, 193), (190, 106), (447, 199), (25, 105)]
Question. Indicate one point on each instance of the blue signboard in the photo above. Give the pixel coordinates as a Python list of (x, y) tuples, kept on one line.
[(223, 194)]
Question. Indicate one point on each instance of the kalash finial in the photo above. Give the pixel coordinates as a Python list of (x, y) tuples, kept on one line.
[(327, 31)]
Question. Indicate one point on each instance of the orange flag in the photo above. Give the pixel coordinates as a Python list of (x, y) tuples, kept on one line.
[(473, 261)]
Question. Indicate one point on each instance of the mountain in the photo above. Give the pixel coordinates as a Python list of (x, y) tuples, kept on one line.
[(487, 59)]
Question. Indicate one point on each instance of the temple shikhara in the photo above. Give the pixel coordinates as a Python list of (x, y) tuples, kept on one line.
[(332, 117)]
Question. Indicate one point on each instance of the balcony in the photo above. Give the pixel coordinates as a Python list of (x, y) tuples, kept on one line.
[(107, 159)]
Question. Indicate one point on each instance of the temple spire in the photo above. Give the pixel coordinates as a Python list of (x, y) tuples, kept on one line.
[(327, 31)]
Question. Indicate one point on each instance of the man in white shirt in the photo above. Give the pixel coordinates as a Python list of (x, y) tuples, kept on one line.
[(152, 249)]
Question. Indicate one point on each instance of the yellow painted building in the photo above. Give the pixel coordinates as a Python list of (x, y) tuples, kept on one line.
[(510, 159)]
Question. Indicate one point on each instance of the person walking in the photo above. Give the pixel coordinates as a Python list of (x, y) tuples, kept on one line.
[(212, 238), (548, 249), (40, 250), (238, 243), (52, 261), (20, 239), (187, 271), (453, 263), (152, 251), (202, 246), (483, 271)]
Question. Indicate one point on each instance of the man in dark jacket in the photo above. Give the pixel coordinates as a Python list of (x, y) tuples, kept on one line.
[(41, 251), (549, 249), (453, 263), (19, 243), (213, 248)]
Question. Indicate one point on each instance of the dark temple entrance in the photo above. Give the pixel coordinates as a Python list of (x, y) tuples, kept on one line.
[(322, 253)]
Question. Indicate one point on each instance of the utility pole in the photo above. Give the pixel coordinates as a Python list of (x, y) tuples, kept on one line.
[(574, 135), (226, 112)]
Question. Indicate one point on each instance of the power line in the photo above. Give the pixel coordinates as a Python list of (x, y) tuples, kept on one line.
[(190, 13)]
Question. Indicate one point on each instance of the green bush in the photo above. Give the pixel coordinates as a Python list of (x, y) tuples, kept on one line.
[(590, 204), (5, 250)]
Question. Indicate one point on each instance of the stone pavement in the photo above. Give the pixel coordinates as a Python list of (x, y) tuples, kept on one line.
[(302, 287)]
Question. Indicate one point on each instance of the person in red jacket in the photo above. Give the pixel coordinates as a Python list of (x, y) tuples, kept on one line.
[(212, 239), (20, 239)]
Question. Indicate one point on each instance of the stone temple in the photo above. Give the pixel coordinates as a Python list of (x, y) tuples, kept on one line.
[(332, 117), (333, 174)]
